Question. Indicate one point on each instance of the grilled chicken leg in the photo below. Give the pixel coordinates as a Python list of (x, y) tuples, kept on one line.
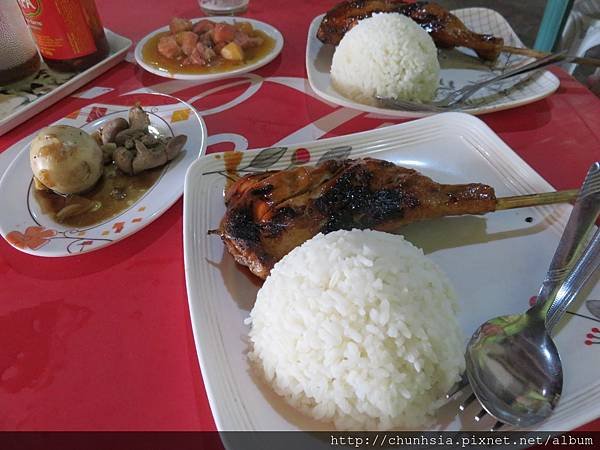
[(268, 214), (446, 29)]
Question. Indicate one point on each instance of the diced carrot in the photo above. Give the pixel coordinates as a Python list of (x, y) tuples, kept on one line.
[(202, 26), (223, 32)]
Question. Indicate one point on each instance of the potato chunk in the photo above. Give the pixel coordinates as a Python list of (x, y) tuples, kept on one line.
[(232, 52)]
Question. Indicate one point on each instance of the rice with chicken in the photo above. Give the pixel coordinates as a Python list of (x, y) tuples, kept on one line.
[(386, 55), (358, 328)]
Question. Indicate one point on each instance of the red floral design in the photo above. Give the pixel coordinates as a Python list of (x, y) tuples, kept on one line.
[(34, 237), (593, 337), (96, 113), (301, 156), (118, 227), (73, 115)]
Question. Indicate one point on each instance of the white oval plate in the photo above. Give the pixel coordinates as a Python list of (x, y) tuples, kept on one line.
[(459, 68), (26, 228), (257, 24)]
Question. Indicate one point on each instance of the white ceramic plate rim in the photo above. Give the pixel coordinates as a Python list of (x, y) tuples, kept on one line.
[(257, 24), (223, 396), (168, 200), (340, 100)]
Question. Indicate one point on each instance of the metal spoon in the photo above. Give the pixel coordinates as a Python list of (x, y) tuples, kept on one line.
[(512, 364)]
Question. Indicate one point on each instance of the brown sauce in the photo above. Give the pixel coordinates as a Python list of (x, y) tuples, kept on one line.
[(151, 56), (114, 193)]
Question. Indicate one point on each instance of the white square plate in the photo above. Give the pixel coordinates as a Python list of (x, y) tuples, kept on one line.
[(22, 104), (459, 68), (496, 263)]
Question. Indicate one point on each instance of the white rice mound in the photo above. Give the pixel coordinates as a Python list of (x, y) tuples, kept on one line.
[(386, 55), (358, 328)]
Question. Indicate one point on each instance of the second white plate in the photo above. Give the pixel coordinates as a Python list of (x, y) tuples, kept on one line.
[(458, 69)]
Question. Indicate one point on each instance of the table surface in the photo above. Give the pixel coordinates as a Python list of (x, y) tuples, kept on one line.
[(103, 341)]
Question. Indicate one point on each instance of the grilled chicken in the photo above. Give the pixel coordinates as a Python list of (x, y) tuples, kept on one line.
[(268, 214), (446, 29)]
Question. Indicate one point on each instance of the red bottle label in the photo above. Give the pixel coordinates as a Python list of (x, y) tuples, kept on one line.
[(60, 28)]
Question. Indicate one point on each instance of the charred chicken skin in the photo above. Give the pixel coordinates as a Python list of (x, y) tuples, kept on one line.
[(446, 29), (269, 214)]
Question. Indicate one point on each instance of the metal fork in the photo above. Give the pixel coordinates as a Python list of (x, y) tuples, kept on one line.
[(455, 99), (585, 267), (564, 278)]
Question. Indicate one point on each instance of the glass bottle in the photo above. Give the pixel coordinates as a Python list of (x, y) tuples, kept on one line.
[(69, 33), (18, 56)]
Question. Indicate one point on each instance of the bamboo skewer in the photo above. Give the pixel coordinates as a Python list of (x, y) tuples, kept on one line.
[(546, 198), (518, 201), (537, 54)]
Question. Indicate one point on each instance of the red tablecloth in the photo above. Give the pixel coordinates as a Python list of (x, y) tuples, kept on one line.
[(103, 341)]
